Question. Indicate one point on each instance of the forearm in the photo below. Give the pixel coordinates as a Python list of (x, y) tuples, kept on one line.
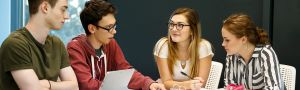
[(26, 79), (64, 85), (171, 84), (44, 88), (30, 88), (139, 81)]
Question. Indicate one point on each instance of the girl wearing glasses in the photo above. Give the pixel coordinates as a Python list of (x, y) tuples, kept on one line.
[(183, 57), (251, 61)]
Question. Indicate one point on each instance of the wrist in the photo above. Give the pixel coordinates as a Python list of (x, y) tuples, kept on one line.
[(186, 84)]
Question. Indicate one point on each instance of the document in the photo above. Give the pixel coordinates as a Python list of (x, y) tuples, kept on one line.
[(117, 80)]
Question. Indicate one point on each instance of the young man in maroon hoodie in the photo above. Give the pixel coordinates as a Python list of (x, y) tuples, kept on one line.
[(99, 48)]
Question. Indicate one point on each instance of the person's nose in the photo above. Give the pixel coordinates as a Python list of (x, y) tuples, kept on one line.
[(66, 15), (114, 31), (223, 43), (174, 28)]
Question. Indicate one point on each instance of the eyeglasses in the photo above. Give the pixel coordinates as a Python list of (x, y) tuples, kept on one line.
[(109, 29), (179, 26)]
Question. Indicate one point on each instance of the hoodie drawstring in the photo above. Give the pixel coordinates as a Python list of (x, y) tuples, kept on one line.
[(93, 64)]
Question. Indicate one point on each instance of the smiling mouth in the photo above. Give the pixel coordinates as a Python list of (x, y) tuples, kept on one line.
[(175, 34)]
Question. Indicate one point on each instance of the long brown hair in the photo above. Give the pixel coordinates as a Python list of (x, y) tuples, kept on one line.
[(241, 25), (193, 19)]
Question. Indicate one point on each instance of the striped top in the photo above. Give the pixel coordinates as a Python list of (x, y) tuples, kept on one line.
[(262, 71)]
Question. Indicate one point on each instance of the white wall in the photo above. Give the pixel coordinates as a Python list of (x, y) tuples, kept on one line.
[(5, 19)]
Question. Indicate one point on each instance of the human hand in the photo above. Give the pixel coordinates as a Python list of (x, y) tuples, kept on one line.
[(192, 84), (44, 83), (235, 87), (200, 79), (157, 86)]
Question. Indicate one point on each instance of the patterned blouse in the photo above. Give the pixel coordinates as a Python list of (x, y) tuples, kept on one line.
[(262, 71)]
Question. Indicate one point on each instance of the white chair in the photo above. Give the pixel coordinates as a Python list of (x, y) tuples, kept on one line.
[(288, 74), (212, 82)]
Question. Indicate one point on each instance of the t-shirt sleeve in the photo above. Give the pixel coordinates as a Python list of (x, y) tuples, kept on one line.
[(205, 49), (161, 48), (65, 62), (15, 55)]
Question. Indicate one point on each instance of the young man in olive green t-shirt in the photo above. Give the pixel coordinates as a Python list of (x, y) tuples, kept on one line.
[(30, 59)]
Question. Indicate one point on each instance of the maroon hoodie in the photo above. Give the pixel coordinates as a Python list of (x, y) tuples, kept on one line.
[(81, 51)]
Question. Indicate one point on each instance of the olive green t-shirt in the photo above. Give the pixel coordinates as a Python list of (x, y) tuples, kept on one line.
[(21, 51)]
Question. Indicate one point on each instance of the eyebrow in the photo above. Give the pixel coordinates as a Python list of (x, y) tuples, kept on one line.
[(66, 7), (109, 25)]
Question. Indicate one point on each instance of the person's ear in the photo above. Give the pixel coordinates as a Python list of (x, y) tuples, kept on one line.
[(244, 39), (91, 28), (45, 6)]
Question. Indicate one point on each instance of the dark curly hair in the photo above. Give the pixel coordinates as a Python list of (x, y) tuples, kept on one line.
[(93, 12)]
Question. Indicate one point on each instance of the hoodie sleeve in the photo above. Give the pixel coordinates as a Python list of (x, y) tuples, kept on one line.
[(81, 68), (138, 80)]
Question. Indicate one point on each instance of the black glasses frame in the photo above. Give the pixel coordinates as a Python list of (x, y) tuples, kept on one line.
[(179, 26), (107, 29)]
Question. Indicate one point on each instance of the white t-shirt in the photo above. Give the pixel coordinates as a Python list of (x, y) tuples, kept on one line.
[(161, 50)]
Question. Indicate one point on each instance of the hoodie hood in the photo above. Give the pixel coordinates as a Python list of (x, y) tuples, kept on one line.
[(84, 42)]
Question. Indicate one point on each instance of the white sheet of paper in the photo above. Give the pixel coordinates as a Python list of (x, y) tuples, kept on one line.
[(117, 80)]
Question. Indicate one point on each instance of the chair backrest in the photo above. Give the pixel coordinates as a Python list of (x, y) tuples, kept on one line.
[(288, 74), (214, 76)]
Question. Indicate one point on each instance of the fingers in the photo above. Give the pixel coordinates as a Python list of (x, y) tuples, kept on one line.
[(195, 84), (157, 86), (152, 86), (162, 87), (200, 79)]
